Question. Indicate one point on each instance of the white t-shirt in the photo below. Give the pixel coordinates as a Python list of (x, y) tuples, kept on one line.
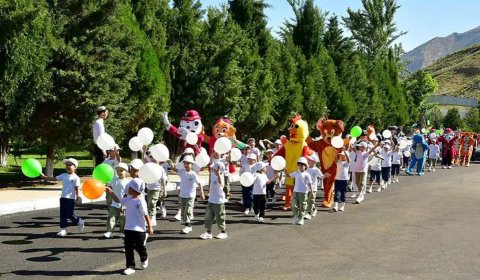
[(119, 189), (69, 182), (135, 212), (342, 170), (180, 166), (433, 151), (269, 171), (375, 163), (302, 179), (387, 158), (255, 151), (315, 174), (98, 128), (188, 183), (243, 163), (216, 193), (158, 185), (397, 158), (361, 164), (260, 183)]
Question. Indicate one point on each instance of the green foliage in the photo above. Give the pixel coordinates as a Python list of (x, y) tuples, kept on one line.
[(452, 119), (472, 120)]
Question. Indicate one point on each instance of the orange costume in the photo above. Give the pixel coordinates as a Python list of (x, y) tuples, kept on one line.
[(466, 148), (292, 150), (327, 154), (222, 128)]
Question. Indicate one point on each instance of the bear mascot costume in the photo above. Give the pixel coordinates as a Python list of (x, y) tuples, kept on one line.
[(419, 147)]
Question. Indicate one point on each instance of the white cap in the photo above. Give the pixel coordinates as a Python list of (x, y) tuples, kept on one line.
[(188, 151), (278, 141), (136, 184), (136, 164), (259, 166), (101, 108), (313, 157), (188, 159), (302, 160), (269, 151), (122, 165), (362, 144), (252, 156), (71, 160)]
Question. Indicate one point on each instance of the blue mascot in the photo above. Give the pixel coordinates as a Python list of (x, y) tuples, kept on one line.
[(420, 148)]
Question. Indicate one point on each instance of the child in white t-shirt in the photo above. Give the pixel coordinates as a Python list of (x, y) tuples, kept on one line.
[(136, 223), (303, 185), (253, 149), (361, 168), (341, 181), (154, 192), (116, 211), (260, 190), (315, 175), (397, 157), (270, 172), (113, 159), (375, 170), (433, 153), (71, 183), (247, 191), (386, 154)]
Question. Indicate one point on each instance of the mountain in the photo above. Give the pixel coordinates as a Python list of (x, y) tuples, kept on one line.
[(458, 74), (424, 55)]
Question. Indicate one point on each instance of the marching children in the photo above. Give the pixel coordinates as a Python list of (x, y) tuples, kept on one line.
[(253, 149), (315, 175), (137, 220), (303, 185), (270, 172), (155, 191), (433, 153), (247, 191), (361, 167), (180, 166), (386, 154), (116, 211), (260, 190), (341, 180), (396, 163), (375, 171), (71, 183)]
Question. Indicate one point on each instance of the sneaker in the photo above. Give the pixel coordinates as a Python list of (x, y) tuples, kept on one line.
[(81, 225), (450, 167), (308, 216), (145, 264), (301, 222), (354, 195), (369, 189), (187, 229), (164, 212), (379, 188), (256, 217), (396, 180), (222, 235), (62, 233), (128, 271), (260, 220), (153, 220), (107, 234), (360, 199), (206, 236), (246, 211), (314, 213), (433, 170), (342, 207), (335, 208), (384, 186), (443, 167), (178, 217)]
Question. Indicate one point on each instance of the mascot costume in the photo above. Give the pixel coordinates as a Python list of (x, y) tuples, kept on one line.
[(191, 122), (292, 150), (419, 147), (327, 154), (223, 128), (447, 139), (466, 148)]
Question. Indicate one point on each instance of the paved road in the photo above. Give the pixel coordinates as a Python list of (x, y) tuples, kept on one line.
[(423, 228)]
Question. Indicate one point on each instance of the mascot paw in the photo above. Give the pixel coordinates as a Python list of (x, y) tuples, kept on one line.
[(165, 118)]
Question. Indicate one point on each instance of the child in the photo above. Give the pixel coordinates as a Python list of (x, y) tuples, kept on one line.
[(260, 190), (361, 168), (154, 192), (386, 154), (113, 159), (253, 149), (189, 180), (343, 162), (315, 175), (352, 156), (115, 211), (244, 159), (247, 191), (69, 198), (375, 171), (270, 172), (396, 162), (136, 216), (180, 166), (303, 185), (433, 152), (216, 203)]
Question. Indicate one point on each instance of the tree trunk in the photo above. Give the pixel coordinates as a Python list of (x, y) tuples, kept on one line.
[(50, 161), (3, 152)]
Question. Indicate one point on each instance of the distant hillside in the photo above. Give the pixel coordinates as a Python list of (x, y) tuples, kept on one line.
[(424, 55), (458, 74)]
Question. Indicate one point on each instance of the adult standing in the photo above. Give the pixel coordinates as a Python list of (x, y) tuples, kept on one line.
[(99, 128)]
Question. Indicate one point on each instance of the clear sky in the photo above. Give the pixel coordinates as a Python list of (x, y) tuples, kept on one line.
[(422, 19)]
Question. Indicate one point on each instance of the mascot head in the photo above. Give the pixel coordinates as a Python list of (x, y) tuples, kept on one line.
[(448, 134), (298, 129), (192, 122), (417, 138), (466, 136), (330, 128), (223, 128)]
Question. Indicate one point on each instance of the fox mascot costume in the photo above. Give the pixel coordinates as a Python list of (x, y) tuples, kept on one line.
[(466, 148)]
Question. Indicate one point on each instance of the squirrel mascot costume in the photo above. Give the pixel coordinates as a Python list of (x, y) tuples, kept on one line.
[(294, 148), (466, 148), (191, 122), (327, 154), (447, 139), (223, 128)]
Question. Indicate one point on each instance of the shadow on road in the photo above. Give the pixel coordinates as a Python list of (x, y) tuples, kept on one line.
[(63, 273)]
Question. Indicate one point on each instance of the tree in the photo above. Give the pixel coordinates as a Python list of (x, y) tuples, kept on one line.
[(419, 87), (452, 119), (472, 119)]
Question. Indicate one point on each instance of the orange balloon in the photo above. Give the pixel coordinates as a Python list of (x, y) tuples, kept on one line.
[(93, 189)]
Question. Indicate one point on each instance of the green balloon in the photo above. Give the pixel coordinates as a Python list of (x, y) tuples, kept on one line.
[(103, 173), (356, 131), (437, 132), (31, 168)]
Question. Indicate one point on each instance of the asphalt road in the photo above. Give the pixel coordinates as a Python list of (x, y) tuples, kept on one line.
[(422, 228)]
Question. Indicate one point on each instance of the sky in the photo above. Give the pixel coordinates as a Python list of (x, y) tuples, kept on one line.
[(422, 19)]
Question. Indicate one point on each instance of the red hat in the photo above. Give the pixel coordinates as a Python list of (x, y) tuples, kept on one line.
[(191, 115), (448, 131)]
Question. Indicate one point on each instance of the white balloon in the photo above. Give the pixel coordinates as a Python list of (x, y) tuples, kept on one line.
[(223, 145), (402, 144), (202, 160), (372, 137), (135, 144), (160, 152), (386, 134), (407, 154), (246, 179), (203, 150), (145, 135), (150, 173), (278, 163), (191, 138), (235, 154), (337, 142), (105, 142)]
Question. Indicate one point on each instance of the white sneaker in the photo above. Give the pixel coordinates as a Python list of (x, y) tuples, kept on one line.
[(164, 212), (370, 189), (128, 271), (222, 235), (187, 229), (335, 207), (443, 167), (433, 170), (379, 188), (62, 233), (342, 207), (107, 234), (354, 195), (145, 264), (246, 211), (178, 217), (384, 186), (308, 216), (314, 213), (360, 199), (450, 167), (256, 217), (301, 222), (396, 180), (206, 236), (260, 220), (81, 225), (153, 220)]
